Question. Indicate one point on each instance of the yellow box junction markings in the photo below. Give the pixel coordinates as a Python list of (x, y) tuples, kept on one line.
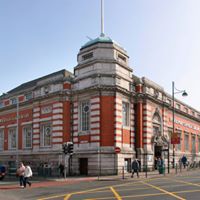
[(185, 182), (68, 195), (162, 190), (118, 197)]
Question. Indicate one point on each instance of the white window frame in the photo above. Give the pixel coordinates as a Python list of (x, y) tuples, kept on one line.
[(25, 137), (12, 133), (28, 96), (44, 141), (186, 143), (1, 139), (193, 143), (125, 113), (84, 115), (199, 144), (180, 136)]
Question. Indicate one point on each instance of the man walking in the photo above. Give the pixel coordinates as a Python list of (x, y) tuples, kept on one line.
[(184, 161), (135, 168), (27, 174)]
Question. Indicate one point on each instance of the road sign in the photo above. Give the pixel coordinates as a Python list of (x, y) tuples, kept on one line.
[(117, 150)]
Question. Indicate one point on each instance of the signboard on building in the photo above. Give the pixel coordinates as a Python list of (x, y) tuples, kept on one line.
[(175, 139)]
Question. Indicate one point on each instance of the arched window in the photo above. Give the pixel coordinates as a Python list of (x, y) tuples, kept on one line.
[(157, 124)]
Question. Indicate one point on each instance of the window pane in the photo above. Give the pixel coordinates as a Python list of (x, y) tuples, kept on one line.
[(125, 114), (27, 137), (193, 144), (179, 145), (186, 142), (46, 132), (199, 143), (84, 116), (12, 138), (1, 139)]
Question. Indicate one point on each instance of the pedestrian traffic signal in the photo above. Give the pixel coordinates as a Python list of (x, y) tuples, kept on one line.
[(70, 147), (65, 149)]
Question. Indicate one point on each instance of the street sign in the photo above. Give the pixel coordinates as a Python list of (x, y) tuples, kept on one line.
[(117, 150)]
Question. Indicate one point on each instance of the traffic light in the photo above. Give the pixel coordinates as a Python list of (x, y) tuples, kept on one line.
[(65, 149), (70, 147)]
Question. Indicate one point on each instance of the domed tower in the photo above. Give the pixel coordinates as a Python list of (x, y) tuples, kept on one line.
[(103, 113)]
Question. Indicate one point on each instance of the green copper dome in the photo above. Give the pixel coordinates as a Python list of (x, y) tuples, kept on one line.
[(100, 39)]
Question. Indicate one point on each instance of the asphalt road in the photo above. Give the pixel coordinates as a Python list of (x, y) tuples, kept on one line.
[(185, 186)]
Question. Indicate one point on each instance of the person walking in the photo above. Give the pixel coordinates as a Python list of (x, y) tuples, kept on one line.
[(61, 169), (184, 161), (161, 165), (27, 175), (135, 168), (20, 173)]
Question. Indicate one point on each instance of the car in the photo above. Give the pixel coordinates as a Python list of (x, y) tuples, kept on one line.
[(2, 172)]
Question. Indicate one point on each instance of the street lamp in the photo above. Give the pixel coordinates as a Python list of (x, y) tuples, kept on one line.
[(17, 133), (184, 93)]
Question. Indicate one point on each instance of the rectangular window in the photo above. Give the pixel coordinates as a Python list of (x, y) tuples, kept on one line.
[(186, 110), (45, 135), (179, 145), (125, 114), (170, 137), (1, 104), (87, 56), (12, 138), (13, 101), (193, 144), (1, 139), (121, 57), (84, 116), (186, 140), (28, 96), (27, 137), (178, 106), (199, 143)]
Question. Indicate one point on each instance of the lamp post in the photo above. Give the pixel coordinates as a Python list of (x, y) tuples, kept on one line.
[(184, 93), (17, 132)]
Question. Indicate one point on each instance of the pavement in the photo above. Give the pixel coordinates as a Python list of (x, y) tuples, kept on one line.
[(10, 183)]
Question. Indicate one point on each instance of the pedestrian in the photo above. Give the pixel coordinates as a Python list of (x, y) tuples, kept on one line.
[(180, 163), (20, 174), (135, 168), (27, 175), (61, 169), (160, 165), (184, 161)]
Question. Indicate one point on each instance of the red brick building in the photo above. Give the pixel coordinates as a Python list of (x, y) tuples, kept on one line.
[(100, 107)]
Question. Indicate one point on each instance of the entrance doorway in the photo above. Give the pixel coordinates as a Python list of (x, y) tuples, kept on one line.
[(157, 154), (83, 166)]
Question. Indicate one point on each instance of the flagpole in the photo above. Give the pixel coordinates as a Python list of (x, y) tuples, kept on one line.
[(102, 18)]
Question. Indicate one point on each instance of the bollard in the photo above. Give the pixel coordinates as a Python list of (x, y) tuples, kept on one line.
[(146, 171), (122, 172), (176, 168), (164, 170), (181, 167)]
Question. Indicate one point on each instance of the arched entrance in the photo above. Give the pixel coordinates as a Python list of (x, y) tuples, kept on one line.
[(157, 141)]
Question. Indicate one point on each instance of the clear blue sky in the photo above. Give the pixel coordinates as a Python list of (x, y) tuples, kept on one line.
[(162, 38)]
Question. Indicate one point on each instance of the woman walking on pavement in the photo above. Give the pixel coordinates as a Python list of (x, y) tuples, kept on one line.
[(20, 173), (27, 174)]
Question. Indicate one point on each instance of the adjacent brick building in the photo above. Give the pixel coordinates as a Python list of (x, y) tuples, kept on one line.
[(101, 107)]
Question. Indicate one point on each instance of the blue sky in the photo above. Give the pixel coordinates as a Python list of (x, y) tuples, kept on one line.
[(162, 38)]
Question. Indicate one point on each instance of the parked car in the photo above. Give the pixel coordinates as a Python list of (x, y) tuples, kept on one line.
[(2, 172)]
